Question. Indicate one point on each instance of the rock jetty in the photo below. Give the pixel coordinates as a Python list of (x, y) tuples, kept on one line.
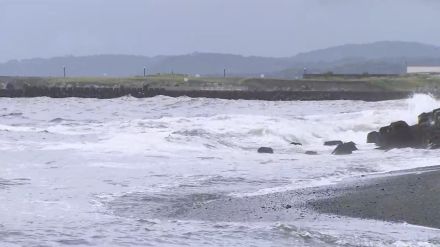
[(425, 134)]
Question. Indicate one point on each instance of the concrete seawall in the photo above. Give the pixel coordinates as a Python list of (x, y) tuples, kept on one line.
[(115, 92)]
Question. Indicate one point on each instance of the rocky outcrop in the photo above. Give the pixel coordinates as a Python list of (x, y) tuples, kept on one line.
[(265, 150), (424, 134), (345, 148)]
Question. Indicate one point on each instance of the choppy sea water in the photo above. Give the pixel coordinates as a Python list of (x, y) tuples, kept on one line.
[(69, 166)]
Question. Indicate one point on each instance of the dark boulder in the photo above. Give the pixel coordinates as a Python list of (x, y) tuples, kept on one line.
[(425, 119), (397, 135), (296, 143), (425, 134), (311, 152), (433, 142), (345, 148), (352, 145), (265, 150), (333, 143), (373, 137)]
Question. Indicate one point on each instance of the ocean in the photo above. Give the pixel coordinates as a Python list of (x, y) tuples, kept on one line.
[(119, 172)]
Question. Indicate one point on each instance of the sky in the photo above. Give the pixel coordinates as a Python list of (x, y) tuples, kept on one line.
[(276, 28)]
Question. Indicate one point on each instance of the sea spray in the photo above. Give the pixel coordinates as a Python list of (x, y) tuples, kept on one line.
[(418, 104)]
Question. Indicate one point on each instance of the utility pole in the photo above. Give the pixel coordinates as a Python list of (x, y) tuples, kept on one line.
[(224, 73), (145, 71), (64, 71)]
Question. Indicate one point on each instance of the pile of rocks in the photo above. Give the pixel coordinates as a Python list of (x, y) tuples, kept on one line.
[(342, 148), (424, 134)]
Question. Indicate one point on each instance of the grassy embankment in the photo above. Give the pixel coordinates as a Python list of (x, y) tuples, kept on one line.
[(422, 83)]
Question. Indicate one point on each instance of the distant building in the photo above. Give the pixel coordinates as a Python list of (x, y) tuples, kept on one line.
[(423, 69)]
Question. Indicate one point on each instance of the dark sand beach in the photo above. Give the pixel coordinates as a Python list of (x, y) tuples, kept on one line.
[(411, 196), (408, 196)]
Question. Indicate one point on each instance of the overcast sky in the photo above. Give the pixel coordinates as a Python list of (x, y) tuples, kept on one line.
[(46, 28)]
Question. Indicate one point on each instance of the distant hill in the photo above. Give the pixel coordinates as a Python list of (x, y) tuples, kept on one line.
[(124, 65), (372, 51), (380, 57), (100, 65), (214, 64), (375, 58)]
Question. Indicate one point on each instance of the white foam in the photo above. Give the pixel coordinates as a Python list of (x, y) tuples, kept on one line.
[(173, 146)]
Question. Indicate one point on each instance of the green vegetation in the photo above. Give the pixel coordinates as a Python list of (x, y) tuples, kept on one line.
[(166, 80), (184, 82), (408, 82)]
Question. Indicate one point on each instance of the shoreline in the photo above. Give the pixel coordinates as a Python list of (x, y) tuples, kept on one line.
[(411, 196)]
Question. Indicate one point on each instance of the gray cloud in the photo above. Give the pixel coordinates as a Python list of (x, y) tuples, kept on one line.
[(46, 28)]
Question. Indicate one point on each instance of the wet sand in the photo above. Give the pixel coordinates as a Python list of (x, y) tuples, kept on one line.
[(411, 196)]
